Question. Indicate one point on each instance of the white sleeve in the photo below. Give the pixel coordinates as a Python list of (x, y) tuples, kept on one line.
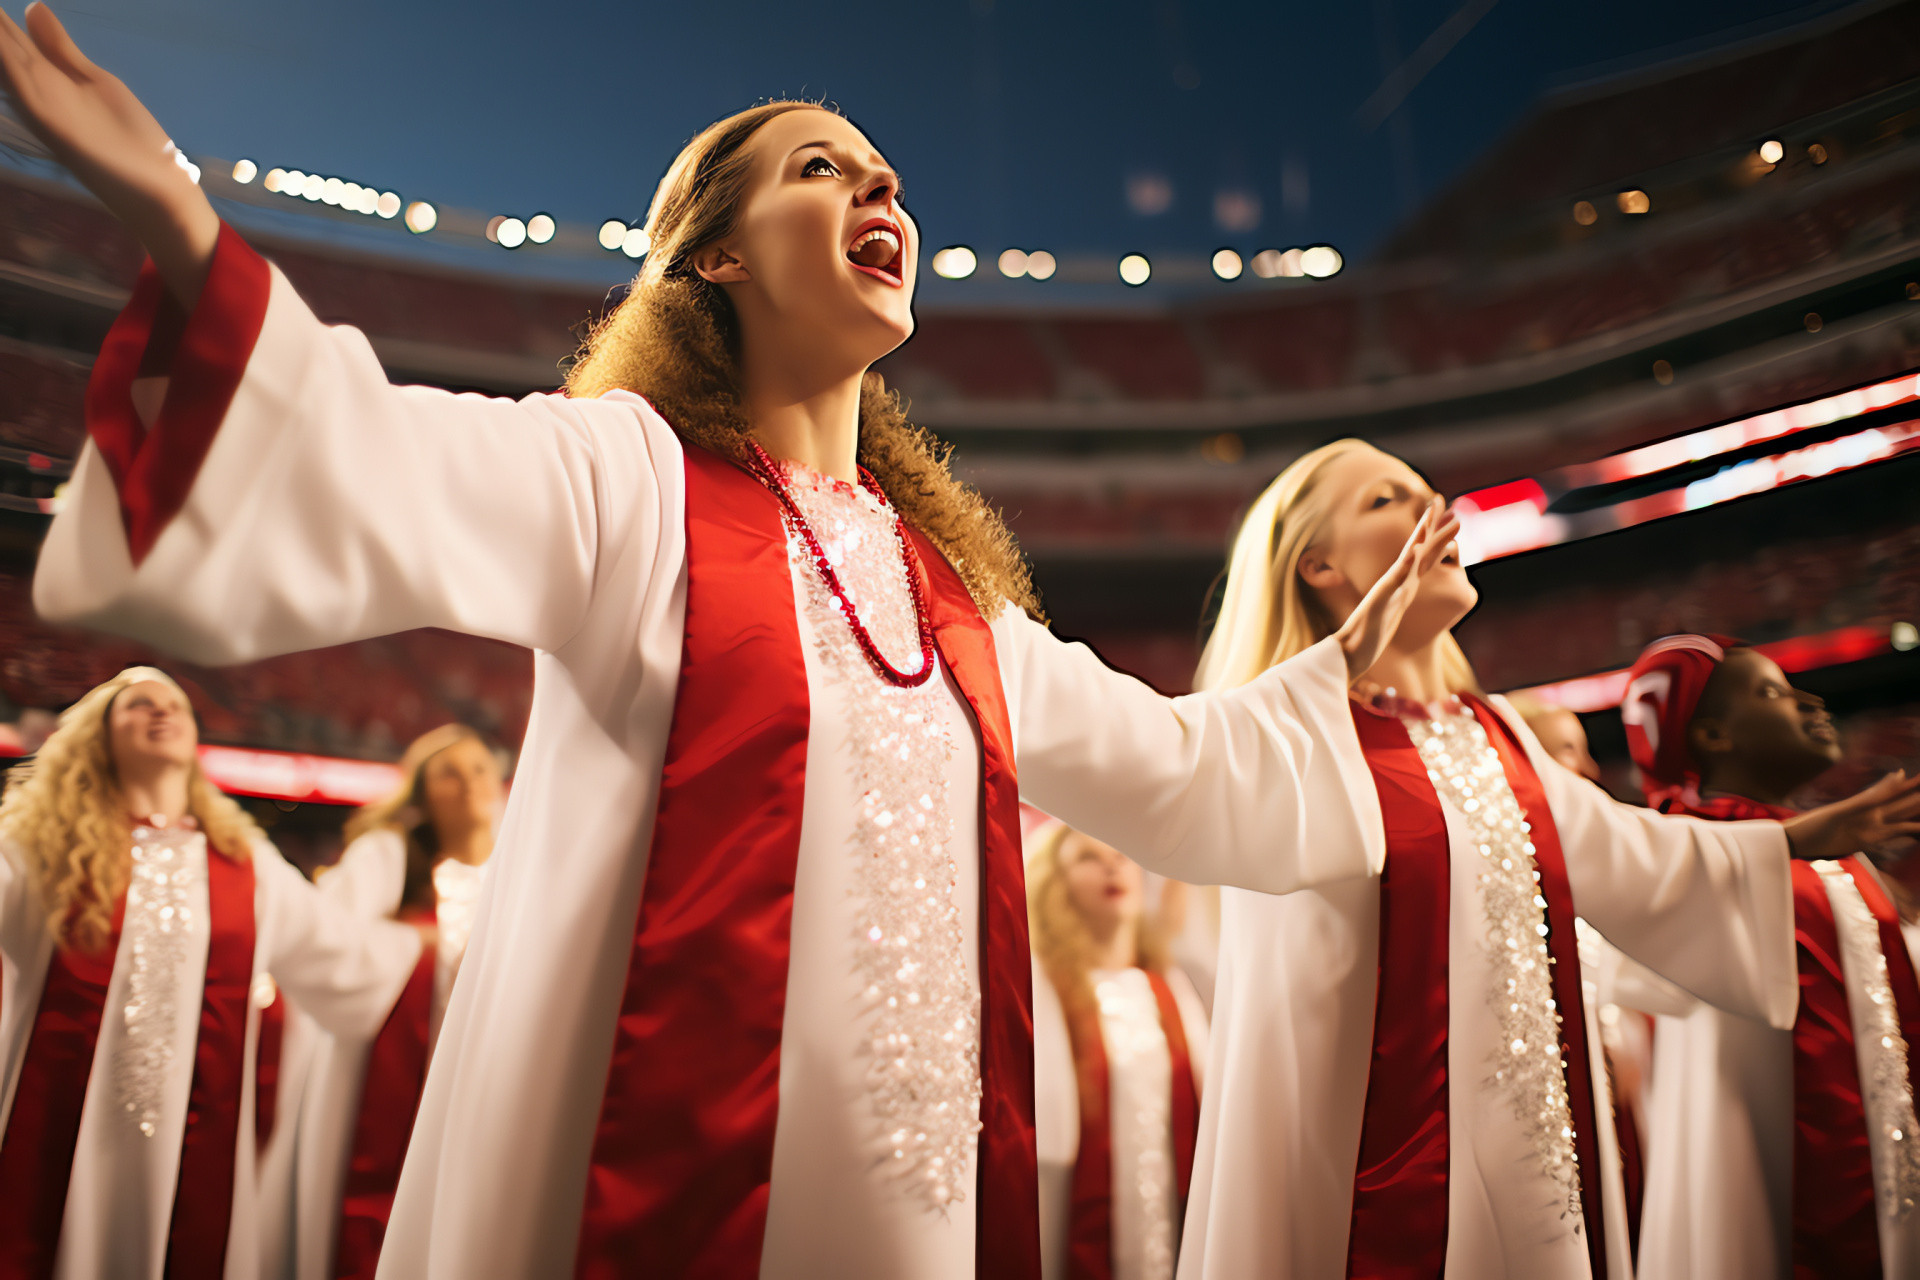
[(1262, 787), (1706, 905), (343, 970), (371, 876), (331, 505), (1193, 1021)]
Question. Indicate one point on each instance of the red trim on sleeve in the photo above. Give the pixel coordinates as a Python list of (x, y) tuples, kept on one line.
[(154, 470)]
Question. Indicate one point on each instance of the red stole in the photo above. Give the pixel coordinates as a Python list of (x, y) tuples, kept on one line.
[(683, 1153), (1090, 1216), (36, 1152), (1399, 1222), (36, 1156), (1836, 1231), (389, 1097)]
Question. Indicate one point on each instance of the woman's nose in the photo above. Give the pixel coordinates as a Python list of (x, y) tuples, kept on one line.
[(879, 192)]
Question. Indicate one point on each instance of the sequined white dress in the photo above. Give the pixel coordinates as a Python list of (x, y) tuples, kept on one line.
[(346, 971), (302, 1168)]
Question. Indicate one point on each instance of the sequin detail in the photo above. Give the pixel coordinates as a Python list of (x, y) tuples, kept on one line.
[(924, 1037), (456, 888), (1139, 1094), (169, 876), (1465, 768), (1879, 1046)]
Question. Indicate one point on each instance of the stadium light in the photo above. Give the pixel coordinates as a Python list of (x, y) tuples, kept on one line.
[(1227, 264), (1321, 261), (636, 242), (511, 234), (540, 228), (421, 217), (955, 262), (1135, 270), (244, 171), (613, 233), (1040, 265), (1013, 264)]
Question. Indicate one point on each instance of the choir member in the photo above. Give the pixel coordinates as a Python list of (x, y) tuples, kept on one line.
[(418, 855), (751, 991), (1401, 1080), (139, 907), (1120, 1048), (1775, 1153)]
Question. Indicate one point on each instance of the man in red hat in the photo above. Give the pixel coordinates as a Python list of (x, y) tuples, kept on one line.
[(1775, 1153)]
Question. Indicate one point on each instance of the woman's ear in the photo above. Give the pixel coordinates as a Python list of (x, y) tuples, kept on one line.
[(1317, 573), (717, 265)]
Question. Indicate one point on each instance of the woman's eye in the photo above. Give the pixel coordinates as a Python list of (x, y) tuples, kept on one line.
[(819, 164)]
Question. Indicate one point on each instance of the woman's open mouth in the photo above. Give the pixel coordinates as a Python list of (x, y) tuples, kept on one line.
[(877, 250)]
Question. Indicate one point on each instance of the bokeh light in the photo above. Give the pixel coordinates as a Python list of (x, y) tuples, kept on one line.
[(1321, 261), (1772, 151), (613, 233), (388, 204), (1584, 213), (512, 233), (540, 228), (1041, 265), (1227, 264), (1013, 264), (955, 262), (1135, 269), (244, 171), (1635, 202), (421, 217), (636, 242)]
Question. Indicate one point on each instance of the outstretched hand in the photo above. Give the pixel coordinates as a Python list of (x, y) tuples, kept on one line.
[(93, 125), (1885, 811), (1364, 636)]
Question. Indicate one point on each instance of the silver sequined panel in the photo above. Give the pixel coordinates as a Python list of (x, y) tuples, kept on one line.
[(1880, 1048), (169, 866), (1465, 769), (924, 1037)]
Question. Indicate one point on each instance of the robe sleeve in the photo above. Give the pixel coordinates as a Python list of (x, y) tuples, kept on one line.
[(286, 496), (1262, 787), (1706, 905), (371, 876), (342, 970), (1056, 1116)]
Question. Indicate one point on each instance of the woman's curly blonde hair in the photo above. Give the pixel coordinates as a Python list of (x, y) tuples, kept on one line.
[(64, 814), (675, 341)]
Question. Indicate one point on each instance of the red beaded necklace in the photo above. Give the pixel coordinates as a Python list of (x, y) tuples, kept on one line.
[(921, 671)]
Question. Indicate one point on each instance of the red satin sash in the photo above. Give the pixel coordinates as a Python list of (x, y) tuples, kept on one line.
[(1835, 1227), (203, 1196), (1399, 1219), (1090, 1213), (36, 1153), (389, 1098), (1563, 949), (1398, 1229), (683, 1153)]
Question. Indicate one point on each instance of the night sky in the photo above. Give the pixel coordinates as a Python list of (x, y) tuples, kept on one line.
[(1013, 122)]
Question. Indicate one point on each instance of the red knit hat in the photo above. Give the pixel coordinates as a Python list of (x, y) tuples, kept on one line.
[(1663, 692)]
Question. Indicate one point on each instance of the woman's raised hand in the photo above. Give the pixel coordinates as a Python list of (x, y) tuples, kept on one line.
[(1365, 634), (1885, 811), (94, 126)]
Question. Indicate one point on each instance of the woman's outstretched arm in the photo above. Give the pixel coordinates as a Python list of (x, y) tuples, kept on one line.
[(254, 485), (1262, 787)]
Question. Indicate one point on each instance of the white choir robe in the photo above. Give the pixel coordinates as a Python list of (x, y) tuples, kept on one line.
[(1709, 904), (1720, 1121), (333, 506), (1147, 1076), (305, 1162), (346, 971)]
